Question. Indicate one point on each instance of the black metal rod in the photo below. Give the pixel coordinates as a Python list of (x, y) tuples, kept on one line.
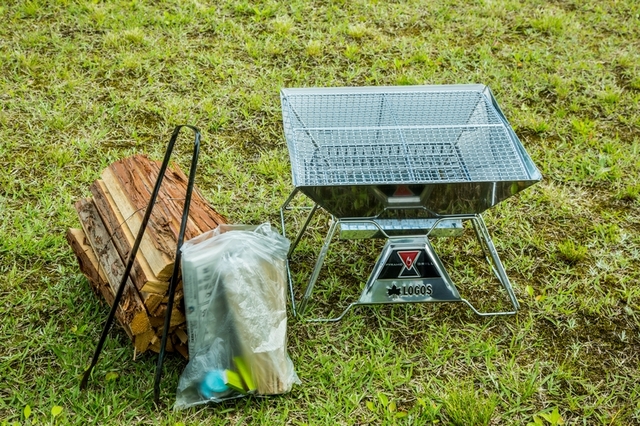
[(176, 267), (136, 245)]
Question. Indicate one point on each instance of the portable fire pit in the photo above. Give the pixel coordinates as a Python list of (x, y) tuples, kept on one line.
[(406, 164)]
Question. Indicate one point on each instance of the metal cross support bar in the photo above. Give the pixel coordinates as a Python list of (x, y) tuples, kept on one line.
[(134, 250), (408, 269)]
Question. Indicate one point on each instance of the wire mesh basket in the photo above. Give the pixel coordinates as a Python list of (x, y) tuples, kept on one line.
[(450, 146)]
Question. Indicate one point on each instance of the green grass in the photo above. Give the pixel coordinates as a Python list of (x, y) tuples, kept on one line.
[(83, 83)]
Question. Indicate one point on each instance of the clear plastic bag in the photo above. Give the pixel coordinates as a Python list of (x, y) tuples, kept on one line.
[(235, 286)]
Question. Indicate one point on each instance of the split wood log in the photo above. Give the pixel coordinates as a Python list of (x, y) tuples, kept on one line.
[(161, 264), (156, 342), (177, 317), (131, 181), (86, 259), (182, 335), (142, 275), (143, 341), (152, 302), (135, 313), (91, 268), (157, 322)]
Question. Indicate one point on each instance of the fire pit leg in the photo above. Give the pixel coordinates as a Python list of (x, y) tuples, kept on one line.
[(491, 254), (410, 284), (318, 266), (295, 242)]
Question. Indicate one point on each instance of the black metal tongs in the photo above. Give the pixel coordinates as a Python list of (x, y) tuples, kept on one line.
[(134, 250)]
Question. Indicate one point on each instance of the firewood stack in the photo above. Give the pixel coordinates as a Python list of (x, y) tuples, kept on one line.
[(110, 222)]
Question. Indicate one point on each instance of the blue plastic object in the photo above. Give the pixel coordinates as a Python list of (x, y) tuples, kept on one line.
[(213, 382)]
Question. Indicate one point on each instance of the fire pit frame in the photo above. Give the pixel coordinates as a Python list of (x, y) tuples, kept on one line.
[(406, 164)]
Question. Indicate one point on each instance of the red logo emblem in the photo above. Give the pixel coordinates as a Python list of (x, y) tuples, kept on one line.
[(403, 191), (409, 258)]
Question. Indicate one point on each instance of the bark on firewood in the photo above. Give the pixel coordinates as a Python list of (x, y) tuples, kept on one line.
[(135, 312), (91, 268), (201, 213), (84, 253), (141, 273), (160, 263), (137, 176)]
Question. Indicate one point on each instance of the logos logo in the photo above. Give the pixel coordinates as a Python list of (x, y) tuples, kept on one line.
[(393, 291)]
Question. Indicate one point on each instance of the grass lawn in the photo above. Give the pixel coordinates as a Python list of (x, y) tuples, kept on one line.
[(84, 83)]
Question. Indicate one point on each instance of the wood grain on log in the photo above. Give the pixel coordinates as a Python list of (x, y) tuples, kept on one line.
[(111, 263), (90, 267), (84, 253), (142, 341), (142, 275), (160, 263), (137, 176)]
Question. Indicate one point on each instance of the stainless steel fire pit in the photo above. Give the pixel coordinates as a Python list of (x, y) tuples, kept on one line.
[(407, 164)]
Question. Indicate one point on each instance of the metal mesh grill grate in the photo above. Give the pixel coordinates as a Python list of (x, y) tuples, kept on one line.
[(373, 137)]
